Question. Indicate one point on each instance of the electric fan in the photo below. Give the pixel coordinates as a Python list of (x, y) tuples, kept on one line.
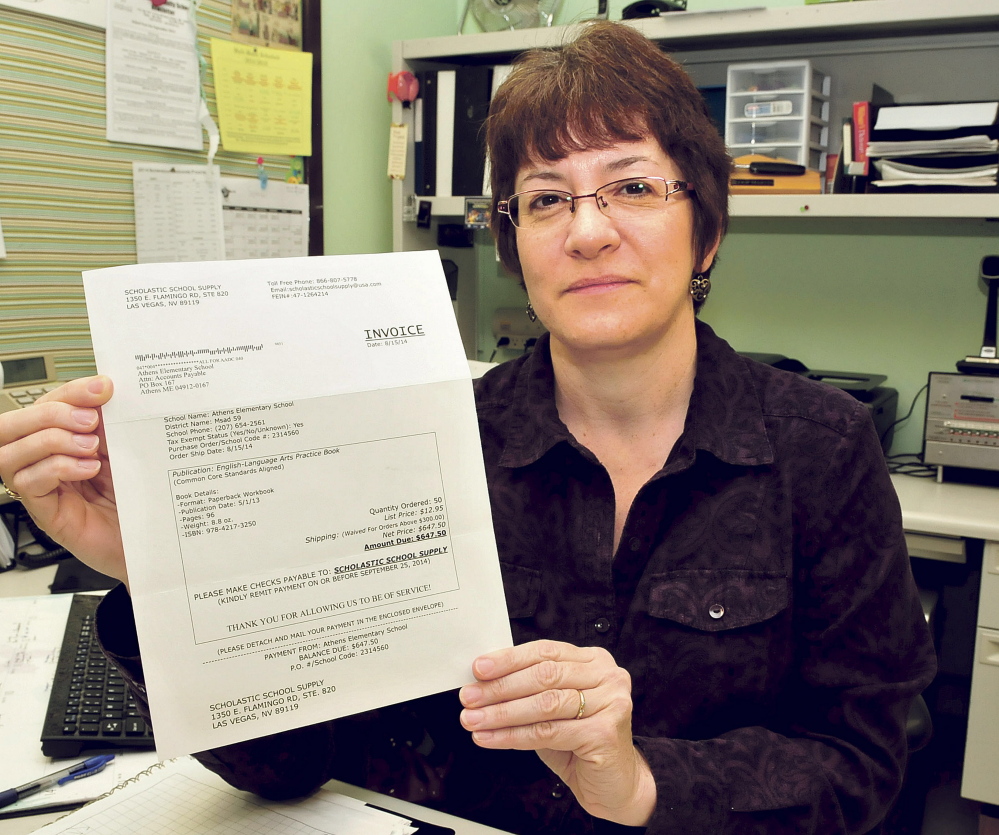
[(497, 15)]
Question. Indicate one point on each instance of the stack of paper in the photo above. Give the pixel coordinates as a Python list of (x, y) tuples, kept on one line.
[(938, 147), (894, 174)]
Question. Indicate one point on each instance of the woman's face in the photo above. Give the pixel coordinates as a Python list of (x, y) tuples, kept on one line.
[(604, 284)]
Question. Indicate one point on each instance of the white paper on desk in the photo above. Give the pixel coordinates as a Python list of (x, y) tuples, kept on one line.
[(29, 650), (180, 797), (153, 81), (301, 490)]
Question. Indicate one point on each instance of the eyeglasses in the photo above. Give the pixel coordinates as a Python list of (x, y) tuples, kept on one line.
[(622, 200)]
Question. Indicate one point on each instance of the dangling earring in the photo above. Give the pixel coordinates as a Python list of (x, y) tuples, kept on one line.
[(700, 286), (530, 312)]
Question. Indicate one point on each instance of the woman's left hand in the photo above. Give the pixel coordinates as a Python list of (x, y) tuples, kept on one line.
[(572, 705)]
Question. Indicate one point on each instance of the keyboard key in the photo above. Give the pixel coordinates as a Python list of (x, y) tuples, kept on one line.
[(135, 726)]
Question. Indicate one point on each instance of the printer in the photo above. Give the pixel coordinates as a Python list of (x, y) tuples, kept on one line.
[(881, 401)]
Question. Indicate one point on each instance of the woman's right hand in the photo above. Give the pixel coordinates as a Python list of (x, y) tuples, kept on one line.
[(54, 455)]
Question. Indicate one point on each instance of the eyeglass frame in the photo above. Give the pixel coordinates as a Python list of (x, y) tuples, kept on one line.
[(503, 206)]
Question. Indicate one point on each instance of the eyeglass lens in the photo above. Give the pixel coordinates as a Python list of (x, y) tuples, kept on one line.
[(621, 199)]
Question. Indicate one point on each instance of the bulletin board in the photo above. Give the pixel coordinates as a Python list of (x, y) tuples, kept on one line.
[(66, 192)]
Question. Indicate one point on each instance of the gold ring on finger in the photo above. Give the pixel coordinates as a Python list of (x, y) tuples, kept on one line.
[(12, 493), (582, 704)]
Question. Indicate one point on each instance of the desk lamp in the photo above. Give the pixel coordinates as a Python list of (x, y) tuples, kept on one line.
[(987, 361)]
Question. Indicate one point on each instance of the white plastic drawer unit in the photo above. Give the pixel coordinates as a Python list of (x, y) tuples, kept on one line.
[(779, 109)]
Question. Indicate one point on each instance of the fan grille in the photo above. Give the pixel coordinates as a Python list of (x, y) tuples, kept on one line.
[(498, 15)]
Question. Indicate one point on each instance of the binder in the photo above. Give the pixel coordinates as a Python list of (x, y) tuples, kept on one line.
[(843, 181), (500, 74), (445, 132), (425, 134), (473, 90)]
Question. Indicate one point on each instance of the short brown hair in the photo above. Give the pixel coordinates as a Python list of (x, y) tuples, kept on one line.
[(608, 85)]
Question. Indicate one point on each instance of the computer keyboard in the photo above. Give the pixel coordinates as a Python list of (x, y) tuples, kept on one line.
[(89, 707)]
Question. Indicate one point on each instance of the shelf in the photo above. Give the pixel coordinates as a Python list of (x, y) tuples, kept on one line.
[(714, 29), (975, 206)]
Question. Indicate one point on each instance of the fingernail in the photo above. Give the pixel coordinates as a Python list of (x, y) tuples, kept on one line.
[(484, 666), (482, 736), (88, 465), (471, 718), (96, 385), (470, 694), (84, 417), (87, 442)]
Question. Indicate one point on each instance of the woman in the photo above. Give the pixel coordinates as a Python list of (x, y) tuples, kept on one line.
[(714, 617)]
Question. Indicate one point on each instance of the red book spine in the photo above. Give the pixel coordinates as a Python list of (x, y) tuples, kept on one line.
[(861, 134)]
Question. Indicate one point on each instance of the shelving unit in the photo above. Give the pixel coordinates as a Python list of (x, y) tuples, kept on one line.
[(920, 50)]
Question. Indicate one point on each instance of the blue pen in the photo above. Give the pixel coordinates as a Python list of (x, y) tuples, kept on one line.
[(56, 778)]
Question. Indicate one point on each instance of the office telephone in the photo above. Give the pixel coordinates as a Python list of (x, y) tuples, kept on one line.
[(33, 548), (24, 378)]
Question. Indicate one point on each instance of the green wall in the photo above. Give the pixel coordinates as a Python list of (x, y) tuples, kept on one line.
[(357, 42), (895, 297)]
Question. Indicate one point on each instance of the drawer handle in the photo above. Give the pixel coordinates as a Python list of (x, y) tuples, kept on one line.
[(989, 652)]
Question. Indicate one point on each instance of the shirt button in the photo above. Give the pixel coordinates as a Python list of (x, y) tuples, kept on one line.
[(601, 624), (716, 610), (558, 790), (635, 543)]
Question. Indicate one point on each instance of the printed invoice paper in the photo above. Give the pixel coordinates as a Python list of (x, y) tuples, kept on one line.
[(300, 485)]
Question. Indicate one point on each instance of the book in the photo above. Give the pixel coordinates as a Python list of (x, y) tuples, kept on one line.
[(863, 115), (843, 181), (860, 164)]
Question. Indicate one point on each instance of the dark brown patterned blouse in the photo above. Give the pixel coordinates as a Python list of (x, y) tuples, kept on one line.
[(761, 598)]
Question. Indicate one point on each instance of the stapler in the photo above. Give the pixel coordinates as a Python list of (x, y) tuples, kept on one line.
[(757, 174)]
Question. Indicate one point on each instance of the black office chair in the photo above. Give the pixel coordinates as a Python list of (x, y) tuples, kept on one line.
[(906, 814)]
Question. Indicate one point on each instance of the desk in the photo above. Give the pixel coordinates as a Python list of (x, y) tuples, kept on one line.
[(21, 826), (961, 510), (942, 510)]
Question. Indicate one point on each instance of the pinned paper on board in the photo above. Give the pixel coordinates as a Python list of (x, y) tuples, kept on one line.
[(87, 12), (178, 213), (264, 98), (153, 80), (264, 223)]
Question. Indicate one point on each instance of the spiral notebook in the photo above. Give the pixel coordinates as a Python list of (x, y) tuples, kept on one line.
[(181, 797)]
